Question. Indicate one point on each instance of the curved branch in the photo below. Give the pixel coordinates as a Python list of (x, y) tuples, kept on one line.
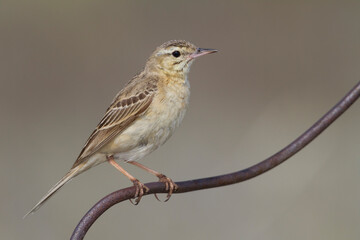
[(192, 185)]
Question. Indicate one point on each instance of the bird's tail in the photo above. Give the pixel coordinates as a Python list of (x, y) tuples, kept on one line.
[(72, 173)]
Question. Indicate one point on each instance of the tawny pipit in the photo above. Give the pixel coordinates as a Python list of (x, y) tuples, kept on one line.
[(142, 116)]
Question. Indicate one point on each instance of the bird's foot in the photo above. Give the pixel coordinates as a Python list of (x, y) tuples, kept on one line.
[(169, 186), (140, 189)]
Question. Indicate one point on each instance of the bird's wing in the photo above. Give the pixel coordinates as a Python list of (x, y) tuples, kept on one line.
[(121, 113)]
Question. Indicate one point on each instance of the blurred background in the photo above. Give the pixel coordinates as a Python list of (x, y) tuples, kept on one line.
[(281, 65)]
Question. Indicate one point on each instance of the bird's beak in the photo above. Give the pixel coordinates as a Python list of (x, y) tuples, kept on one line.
[(202, 51)]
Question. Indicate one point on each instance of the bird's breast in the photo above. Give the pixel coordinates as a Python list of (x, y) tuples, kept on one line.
[(168, 110), (156, 125)]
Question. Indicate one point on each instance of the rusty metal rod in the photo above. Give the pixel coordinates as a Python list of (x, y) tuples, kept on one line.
[(211, 182)]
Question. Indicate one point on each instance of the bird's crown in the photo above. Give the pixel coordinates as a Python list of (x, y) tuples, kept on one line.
[(175, 57)]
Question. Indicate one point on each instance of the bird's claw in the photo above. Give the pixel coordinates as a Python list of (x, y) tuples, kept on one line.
[(169, 186), (140, 190)]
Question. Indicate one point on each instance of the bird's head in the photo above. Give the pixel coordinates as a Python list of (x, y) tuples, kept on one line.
[(176, 56)]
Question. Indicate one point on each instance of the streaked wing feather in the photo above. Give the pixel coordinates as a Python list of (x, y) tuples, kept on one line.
[(117, 118)]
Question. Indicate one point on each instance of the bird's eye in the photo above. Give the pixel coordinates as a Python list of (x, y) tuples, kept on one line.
[(176, 54)]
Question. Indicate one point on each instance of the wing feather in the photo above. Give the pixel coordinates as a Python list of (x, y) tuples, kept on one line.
[(118, 117)]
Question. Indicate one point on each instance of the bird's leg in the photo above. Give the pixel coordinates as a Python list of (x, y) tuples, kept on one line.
[(169, 184), (140, 187)]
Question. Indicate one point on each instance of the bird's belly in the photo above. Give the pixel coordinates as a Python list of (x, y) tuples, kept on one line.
[(147, 133)]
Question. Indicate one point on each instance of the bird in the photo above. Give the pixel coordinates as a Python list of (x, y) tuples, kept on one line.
[(141, 117)]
